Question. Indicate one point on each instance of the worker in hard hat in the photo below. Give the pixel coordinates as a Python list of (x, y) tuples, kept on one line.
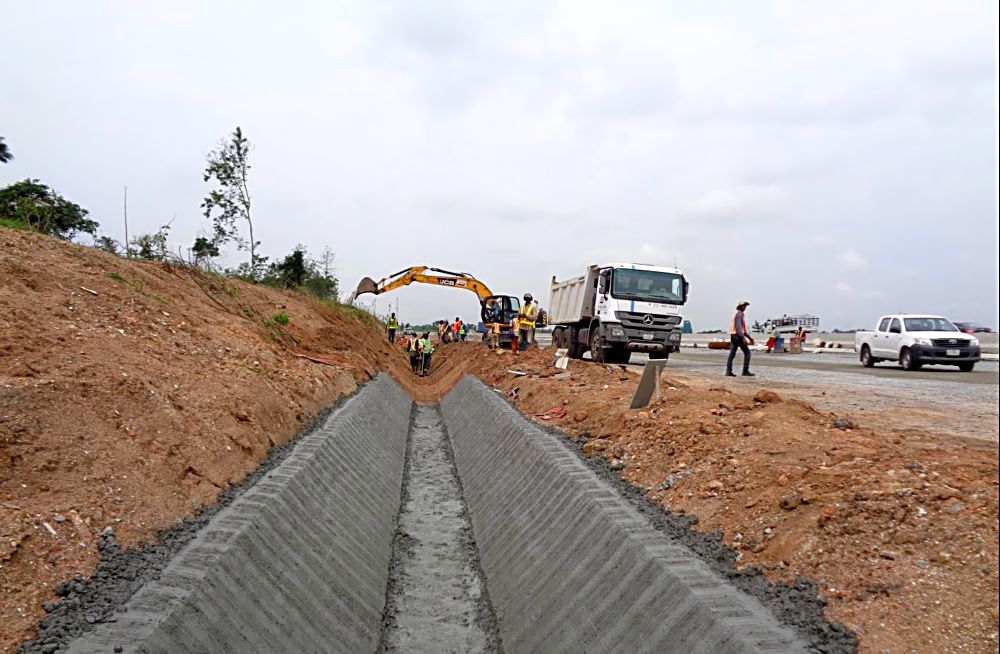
[(413, 349), (526, 321)]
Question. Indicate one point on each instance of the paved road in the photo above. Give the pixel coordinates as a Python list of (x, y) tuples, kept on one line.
[(986, 372)]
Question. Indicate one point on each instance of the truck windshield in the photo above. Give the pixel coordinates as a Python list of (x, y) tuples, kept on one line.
[(647, 286), (928, 325)]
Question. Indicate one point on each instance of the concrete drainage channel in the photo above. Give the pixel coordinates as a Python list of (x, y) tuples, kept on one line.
[(496, 538)]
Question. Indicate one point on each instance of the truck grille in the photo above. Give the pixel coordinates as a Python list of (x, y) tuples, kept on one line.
[(951, 342), (638, 320)]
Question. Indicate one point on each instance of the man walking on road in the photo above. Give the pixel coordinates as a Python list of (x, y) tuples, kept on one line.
[(739, 339)]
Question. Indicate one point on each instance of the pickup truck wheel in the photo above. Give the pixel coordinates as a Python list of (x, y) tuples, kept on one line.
[(966, 367), (907, 361), (597, 353), (867, 360)]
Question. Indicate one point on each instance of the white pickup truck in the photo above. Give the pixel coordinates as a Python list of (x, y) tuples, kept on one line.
[(914, 340)]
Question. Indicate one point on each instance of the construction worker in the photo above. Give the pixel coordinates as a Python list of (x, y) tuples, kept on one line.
[(739, 339), (526, 321), (514, 330), (456, 327), (461, 331), (391, 325), (426, 350), (495, 335), (413, 348)]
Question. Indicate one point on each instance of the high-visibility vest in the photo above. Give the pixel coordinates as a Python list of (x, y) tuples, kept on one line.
[(741, 317), (393, 323), (425, 346), (527, 316), (414, 342)]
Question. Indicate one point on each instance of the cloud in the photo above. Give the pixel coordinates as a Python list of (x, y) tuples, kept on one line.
[(851, 260), (845, 290)]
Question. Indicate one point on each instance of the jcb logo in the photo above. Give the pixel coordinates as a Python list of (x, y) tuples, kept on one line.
[(446, 282)]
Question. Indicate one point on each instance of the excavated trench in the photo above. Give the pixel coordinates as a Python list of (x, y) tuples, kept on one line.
[(451, 527)]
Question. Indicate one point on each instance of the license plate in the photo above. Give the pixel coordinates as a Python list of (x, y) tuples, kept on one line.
[(647, 337), (953, 353)]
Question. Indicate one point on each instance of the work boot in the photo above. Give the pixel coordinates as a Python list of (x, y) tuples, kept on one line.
[(729, 373), (747, 373)]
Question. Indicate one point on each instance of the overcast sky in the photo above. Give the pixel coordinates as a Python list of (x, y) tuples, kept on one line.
[(838, 158)]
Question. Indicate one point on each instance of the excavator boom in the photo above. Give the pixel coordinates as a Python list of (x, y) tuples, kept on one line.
[(423, 275), (494, 309)]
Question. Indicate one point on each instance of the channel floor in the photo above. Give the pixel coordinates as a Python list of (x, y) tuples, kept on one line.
[(435, 598)]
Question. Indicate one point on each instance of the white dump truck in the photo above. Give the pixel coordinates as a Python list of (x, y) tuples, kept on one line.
[(615, 309)]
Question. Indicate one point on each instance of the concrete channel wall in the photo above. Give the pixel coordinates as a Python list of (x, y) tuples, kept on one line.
[(297, 564), (569, 565)]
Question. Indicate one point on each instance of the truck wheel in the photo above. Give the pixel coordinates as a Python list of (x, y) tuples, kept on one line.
[(558, 334), (867, 360), (907, 361), (597, 352), (966, 367)]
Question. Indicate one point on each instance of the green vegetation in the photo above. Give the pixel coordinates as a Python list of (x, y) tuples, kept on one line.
[(36, 206), (137, 285), (279, 319), (5, 155), (229, 205)]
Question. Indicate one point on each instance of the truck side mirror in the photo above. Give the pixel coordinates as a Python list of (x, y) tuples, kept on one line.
[(686, 286), (602, 284)]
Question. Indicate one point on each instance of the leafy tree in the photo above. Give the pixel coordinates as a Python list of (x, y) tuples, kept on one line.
[(293, 270), (107, 244), (229, 205), (42, 209), (5, 155), (204, 249), (151, 246), (300, 271)]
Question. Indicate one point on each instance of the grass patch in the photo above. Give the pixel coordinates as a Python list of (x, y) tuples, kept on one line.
[(14, 224), (279, 319), (137, 285)]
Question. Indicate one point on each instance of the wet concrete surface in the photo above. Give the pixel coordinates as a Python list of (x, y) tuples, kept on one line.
[(436, 600)]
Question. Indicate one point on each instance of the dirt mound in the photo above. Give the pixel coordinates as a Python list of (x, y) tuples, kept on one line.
[(132, 393), (898, 529)]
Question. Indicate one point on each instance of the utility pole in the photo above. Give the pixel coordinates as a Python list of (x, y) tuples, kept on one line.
[(128, 251)]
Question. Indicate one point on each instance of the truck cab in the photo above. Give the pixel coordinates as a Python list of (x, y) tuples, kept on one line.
[(619, 308)]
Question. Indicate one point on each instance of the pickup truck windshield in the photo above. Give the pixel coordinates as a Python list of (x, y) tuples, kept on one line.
[(647, 286), (928, 325)]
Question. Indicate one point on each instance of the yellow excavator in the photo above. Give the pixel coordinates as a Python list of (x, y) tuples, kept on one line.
[(493, 308)]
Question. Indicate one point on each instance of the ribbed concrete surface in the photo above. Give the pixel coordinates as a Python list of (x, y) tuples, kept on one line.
[(569, 565), (297, 564)]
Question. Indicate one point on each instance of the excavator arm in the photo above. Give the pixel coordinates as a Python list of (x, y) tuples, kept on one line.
[(424, 275), (494, 309)]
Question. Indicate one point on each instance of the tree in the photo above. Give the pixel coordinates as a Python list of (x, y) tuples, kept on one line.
[(151, 246), (204, 249), (293, 270), (5, 155), (42, 209), (107, 244), (229, 205)]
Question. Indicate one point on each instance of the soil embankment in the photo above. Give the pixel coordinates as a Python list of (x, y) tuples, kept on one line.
[(132, 393), (898, 528)]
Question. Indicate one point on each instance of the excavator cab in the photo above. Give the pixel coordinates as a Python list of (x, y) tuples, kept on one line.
[(500, 308)]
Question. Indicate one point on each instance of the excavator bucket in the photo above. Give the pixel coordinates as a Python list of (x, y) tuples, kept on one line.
[(367, 285)]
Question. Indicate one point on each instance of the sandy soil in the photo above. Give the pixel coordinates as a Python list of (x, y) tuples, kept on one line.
[(132, 393), (898, 527)]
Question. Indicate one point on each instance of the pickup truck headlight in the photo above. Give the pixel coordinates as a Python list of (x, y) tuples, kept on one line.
[(922, 341), (974, 342)]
